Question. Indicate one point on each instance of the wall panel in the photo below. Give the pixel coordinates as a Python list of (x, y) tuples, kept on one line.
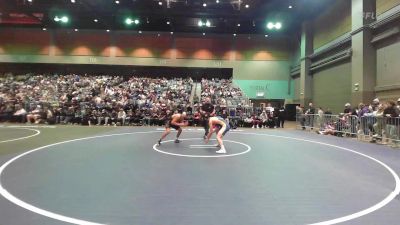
[(82, 43), (143, 46), (24, 42), (332, 87), (203, 48), (296, 88), (261, 49), (332, 23), (385, 5), (388, 68)]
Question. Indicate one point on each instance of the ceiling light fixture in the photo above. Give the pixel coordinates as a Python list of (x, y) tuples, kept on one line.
[(128, 21), (277, 25), (63, 19)]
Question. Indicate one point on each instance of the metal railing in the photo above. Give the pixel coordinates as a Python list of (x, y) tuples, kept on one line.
[(381, 129)]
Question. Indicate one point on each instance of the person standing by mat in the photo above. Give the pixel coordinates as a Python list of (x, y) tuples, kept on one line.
[(177, 120), (220, 127), (207, 110)]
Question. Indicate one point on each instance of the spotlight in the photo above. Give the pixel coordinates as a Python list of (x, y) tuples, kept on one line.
[(140, 31), (168, 22), (44, 28), (72, 1), (217, 1), (208, 24), (238, 24), (277, 25), (159, 3), (30, 0), (64, 19), (96, 20), (266, 35), (128, 21), (290, 6), (172, 33), (204, 34), (234, 35), (204, 5), (247, 6), (76, 30), (117, 2), (108, 30), (200, 23)]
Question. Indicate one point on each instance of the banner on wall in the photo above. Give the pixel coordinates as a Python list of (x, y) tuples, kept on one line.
[(266, 89)]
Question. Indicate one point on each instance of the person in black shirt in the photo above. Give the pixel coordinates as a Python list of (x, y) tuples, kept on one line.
[(207, 110), (281, 117)]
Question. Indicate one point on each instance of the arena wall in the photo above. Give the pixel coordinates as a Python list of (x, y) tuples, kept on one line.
[(332, 86), (254, 58), (383, 6), (388, 69), (332, 23)]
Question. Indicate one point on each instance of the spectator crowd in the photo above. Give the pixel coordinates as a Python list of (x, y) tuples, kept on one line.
[(113, 100), (91, 100), (378, 120)]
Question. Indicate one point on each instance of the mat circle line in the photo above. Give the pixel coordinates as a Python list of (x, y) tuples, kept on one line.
[(37, 132), (203, 156)]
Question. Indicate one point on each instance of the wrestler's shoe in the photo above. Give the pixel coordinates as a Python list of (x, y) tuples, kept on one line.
[(177, 141), (221, 151)]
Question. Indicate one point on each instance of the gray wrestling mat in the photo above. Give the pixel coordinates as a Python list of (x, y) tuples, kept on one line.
[(269, 177)]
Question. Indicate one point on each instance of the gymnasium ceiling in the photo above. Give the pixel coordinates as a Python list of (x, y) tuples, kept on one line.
[(163, 15)]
